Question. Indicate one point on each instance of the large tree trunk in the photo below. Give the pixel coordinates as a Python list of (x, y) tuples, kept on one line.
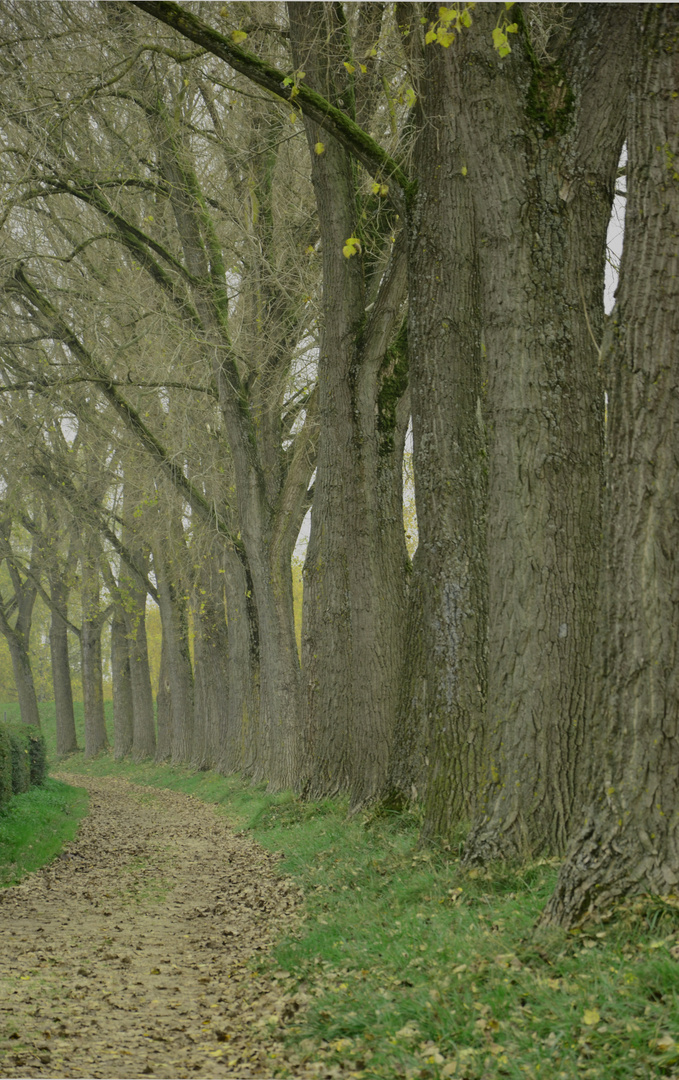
[(630, 840), (123, 723), (23, 679), (164, 706), (134, 609), (61, 670), (540, 146), (173, 614), (18, 636), (442, 710), (279, 672), (355, 569), (90, 652), (409, 759), (211, 666), (144, 729), (240, 746), (93, 688)]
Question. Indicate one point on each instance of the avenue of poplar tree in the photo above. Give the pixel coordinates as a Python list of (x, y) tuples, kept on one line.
[(212, 323)]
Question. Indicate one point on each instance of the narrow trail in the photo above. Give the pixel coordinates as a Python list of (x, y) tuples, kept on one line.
[(128, 956)]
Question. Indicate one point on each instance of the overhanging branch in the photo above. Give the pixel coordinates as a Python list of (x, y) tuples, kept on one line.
[(19, 284), (317, 108)]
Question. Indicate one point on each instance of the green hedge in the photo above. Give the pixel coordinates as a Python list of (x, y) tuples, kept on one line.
[(23, 761), (5, 766), (21, 764), (37, 753)]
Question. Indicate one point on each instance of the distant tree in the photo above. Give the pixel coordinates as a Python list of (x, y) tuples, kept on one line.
[(57, 548), (204, 248), (16, 615)]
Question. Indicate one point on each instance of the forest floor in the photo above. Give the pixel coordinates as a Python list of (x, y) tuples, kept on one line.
[(130, 954), (200, 925)]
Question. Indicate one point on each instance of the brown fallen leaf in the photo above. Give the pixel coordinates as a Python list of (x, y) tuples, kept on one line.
[(150, 860)]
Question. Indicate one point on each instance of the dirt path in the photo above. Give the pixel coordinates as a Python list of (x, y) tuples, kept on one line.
[(128, 955)]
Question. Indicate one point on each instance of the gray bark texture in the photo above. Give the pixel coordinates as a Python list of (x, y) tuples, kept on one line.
[(238, 751), (178, 671), (355, 569), (61, 669), (134, 609), (123, 722), (23, 680), (164, 706), (90, 652), (442, 707), (144, 731), (18, 634), (541, 142), (630, 840), (408, 762), (211, 666)]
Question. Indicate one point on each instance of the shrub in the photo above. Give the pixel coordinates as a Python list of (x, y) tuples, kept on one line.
[(37, 754), (23, 760), (5, 766), (21, 763)]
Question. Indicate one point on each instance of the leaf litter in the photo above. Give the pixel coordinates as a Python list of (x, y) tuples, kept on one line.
[(131, 954)]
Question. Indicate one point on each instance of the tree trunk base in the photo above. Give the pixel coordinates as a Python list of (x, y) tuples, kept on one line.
[(609, 861), (490, 840)]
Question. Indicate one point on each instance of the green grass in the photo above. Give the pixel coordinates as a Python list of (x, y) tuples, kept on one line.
[(35, 825), (414, 968)]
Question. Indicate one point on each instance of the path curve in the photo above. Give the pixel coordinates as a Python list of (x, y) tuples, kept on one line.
[(129, 955)]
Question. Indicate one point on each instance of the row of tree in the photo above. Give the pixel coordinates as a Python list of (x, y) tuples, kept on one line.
[(242, 249)]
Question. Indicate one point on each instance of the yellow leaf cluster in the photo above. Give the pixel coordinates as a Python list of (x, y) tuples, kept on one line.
[(451, 21), (500, 39)]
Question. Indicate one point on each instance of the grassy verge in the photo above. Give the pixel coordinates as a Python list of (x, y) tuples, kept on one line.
[(414, 968), (36, 825)]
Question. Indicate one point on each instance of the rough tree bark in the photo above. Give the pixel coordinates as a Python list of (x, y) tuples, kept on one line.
[(93, 619), (23, 678), (406, 780), (164, 706), (355, 569), (630, 840), (178, 669), (17, 635), (540, 142), (442, 707), (123, 723), (134, 609), (239, 750), (211, 666), (61, 668)]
